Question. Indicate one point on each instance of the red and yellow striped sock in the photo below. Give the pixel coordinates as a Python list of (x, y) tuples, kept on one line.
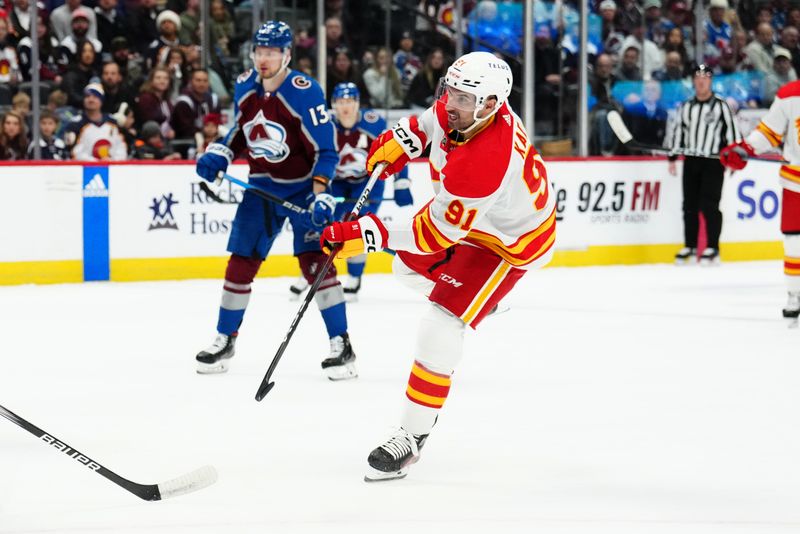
[(426, 387)]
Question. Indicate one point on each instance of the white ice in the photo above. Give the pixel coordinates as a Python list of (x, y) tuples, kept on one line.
[(647, 399)]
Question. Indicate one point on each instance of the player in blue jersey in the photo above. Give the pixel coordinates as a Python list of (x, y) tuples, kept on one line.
[(283, 128), (356, 129)]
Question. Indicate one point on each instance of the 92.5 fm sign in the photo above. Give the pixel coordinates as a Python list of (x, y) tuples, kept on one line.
[(610, 203)]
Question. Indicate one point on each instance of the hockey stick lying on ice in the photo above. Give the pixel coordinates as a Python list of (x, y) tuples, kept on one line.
[(626, 138), (266, 195), (188, 483), (266, 385)]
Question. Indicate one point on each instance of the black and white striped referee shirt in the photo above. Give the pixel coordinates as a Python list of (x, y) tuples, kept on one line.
[(703, 128)]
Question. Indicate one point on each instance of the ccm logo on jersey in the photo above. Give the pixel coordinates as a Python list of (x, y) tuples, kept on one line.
[(266, 139), (447, 279)]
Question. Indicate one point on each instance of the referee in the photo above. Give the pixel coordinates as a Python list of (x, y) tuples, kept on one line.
[(704, 126)]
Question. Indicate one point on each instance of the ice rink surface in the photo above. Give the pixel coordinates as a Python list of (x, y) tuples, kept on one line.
[(647, 399)]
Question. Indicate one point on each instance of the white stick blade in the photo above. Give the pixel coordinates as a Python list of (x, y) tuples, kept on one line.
[(188, 483), (618, 126)]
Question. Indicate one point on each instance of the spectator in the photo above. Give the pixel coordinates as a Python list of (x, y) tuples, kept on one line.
[(344, 70), (209, 134), (760, 52), (611, 33), (168, 24), (176, 65), (628, 69), (13, 137), (93, 135), (790, 37), (423, 88), (406, 61), (673, 69), (9, 64), (718, 31), (142, 26), (62, 20), (57, 103), (678, 17), (130, 66), (116, 89), (153, 102), (189, 33), (52, 147), (739, 43), (21, 105), (222, 30), (727, 62), (151, 144), (304, 63), (676, 43), (601, 80), (547, 81), (80, 25), (653, 21), (79, 75), (110, 22), (630, 16), (49, 59), (195, 103), (793, 17), (646, 118), (653, 57), (20, 20), (381, 93), (334, 37), (781, 74), (780, 14)]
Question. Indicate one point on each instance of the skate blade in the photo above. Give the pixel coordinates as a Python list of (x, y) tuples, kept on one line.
[(685, 263), (710, 263), (341, 372), (792, 322), (373, 475), (212, 368)]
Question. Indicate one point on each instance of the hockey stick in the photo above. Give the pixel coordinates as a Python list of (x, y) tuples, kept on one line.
[(266, 385), (626, 138), (188, 483), (253, 189)]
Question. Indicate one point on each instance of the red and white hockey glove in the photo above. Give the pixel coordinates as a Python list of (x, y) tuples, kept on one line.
[(365, 234), (734, 156), (397, 147)]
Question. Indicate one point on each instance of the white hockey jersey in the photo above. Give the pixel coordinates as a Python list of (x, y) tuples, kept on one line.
[(491, 191), (781, 124)]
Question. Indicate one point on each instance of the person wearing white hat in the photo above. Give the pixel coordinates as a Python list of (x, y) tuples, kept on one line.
[(718, 31), (168, 24)]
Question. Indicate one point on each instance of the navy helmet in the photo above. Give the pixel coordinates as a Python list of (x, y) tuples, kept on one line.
[(273, 34), (346, 90)]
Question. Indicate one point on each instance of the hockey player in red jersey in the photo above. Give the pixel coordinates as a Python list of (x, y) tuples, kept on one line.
[(285, 131), (780, 126), (492, 218)]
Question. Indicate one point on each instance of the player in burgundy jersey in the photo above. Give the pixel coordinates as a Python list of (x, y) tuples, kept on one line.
[(283, 128)]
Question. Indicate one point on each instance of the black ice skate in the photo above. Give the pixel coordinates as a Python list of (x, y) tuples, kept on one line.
[(351, 287), (341, 363), (709, 257), (392, 459), (792, 310), (685, 256), (297, 288), (215, 358)]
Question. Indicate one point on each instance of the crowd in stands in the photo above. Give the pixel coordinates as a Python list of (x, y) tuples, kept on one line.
[(132, 69)]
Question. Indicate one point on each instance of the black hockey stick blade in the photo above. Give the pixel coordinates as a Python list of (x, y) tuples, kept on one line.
[(211, 194), (188, 483), (265, 388)]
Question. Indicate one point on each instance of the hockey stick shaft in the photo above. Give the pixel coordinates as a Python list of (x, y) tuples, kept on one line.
[(266, 385), (626, 138), (149, 492), (255, 190)]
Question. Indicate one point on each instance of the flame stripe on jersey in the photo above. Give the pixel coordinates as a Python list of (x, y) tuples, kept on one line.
[(773, 137), (791, 173), (528, 248), (791, 266), (486, 292), (426, 387), (427, 236)]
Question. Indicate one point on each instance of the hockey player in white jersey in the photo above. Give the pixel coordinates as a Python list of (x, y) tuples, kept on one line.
[(491, 220), (780, 126)]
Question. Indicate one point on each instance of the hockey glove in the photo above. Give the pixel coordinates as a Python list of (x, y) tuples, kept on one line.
[(214, 160), (397, 147), (734, 156), (402, 192), (320, 210), (365, 234)]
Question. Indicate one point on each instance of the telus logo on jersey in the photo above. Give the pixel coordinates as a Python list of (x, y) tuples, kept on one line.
[(266, 139)]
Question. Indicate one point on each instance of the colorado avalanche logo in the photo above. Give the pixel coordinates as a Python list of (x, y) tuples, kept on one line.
[(352, 162), (300, 82), (266, 139)]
